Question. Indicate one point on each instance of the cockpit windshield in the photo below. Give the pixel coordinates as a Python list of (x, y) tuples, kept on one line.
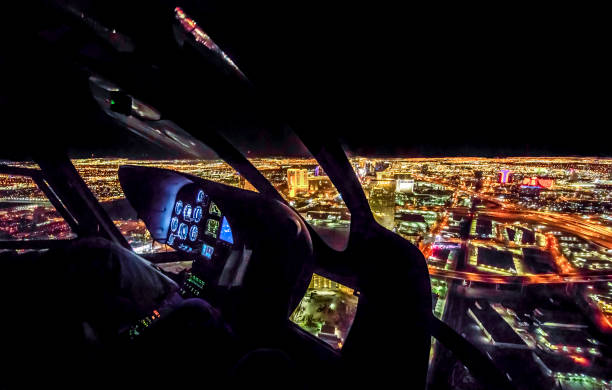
[(510, 244), (177, 183), (279, 154), (146, 138)]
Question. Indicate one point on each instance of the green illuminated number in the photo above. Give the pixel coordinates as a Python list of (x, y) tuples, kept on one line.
[(212, 227)]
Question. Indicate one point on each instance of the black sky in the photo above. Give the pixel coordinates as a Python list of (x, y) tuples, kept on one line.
[(385, 81), (392, 82)]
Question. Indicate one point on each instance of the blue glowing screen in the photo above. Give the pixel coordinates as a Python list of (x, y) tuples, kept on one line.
[(178, 207), (197, 214), (201, 196), (183, 230), (187, 211), (226, 232), (193, 233), (207, 251)]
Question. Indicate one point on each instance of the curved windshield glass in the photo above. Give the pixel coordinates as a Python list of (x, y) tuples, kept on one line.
[(26, 212), (272, 147), (279, 154), (519, 252), (308, 189), (101, 175), (151, 141), (276, 152), (328, 308)]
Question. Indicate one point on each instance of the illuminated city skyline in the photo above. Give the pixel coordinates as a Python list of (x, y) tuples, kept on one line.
[(523, 263)]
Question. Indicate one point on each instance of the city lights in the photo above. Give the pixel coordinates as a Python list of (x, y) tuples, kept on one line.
[(519, 250)]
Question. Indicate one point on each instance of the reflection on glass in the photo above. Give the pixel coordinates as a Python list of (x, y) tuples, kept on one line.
[(327, 310), (190, 26)]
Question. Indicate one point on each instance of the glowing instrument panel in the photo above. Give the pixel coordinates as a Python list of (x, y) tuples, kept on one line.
[(197, 224)]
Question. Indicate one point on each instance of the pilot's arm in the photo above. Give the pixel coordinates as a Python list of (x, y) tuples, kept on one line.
[(110, 286)]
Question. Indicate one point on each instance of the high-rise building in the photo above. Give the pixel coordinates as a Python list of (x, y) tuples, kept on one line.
[(529, 193), (384, 176), (542, 182), (297, 180), (320, 282), (381, 166), (505, 176), (573, 175), (319, 183), (404, 185), (318, 171), (245, 185)]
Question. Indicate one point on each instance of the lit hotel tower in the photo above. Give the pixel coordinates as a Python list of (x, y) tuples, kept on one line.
[(504, 176), (297, 179)]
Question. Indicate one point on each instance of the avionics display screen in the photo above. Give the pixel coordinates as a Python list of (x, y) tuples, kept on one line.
[(226, 232), (207, 251), (197, 224)]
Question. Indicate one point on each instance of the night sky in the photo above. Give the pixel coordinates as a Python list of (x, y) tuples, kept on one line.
[(386, 83)]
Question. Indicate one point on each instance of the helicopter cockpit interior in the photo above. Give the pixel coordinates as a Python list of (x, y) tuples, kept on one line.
[(213, 303)]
